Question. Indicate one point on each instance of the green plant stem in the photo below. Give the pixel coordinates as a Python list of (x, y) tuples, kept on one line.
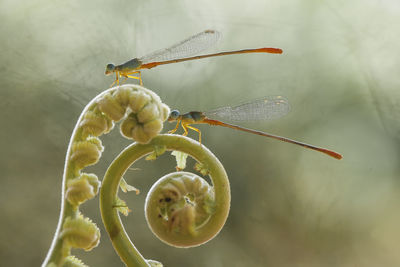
[(57, 252), (108, 194)]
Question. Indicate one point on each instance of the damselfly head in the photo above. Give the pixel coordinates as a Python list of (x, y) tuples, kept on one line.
[(110, 68), (173, 116)]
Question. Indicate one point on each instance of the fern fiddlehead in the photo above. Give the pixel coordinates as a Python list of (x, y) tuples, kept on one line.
[(182, 209), (85, 149)]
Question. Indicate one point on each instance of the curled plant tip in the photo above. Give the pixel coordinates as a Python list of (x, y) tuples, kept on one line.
[(147, 116), (86, 153), (80, 232), (95, 123), (125, 187), (138, 100), (140, 136), (158, 151), (85, 149), (180, 159), (128, 125), (148, 113), (152, 128), (154, 263), (201, 168), (177, 207), (182, 209), (72, 261), (111, 107), (83, 188), (143, 133), (122, 96)]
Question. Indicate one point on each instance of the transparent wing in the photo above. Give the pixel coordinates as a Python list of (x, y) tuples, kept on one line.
[(186, 48), (267, 108)]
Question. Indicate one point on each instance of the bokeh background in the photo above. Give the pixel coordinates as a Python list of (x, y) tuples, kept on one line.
[(290, 206)]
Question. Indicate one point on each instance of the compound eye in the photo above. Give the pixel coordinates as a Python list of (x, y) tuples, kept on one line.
[(110, 68), (173, 115)]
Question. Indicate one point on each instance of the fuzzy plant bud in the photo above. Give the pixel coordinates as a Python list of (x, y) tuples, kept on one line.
[(95, 123), (83, 188), (81, 233), (111, 107), (146, 117), (143, 133), (85, 153), (122, 95), (152, 128), (128, 125), (147, 114), (138, 100)]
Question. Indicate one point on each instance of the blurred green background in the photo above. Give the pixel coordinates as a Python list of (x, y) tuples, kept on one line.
[(290, 206)]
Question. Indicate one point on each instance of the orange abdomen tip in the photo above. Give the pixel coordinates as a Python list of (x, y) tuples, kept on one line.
[(271, 50), (332, 153)]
